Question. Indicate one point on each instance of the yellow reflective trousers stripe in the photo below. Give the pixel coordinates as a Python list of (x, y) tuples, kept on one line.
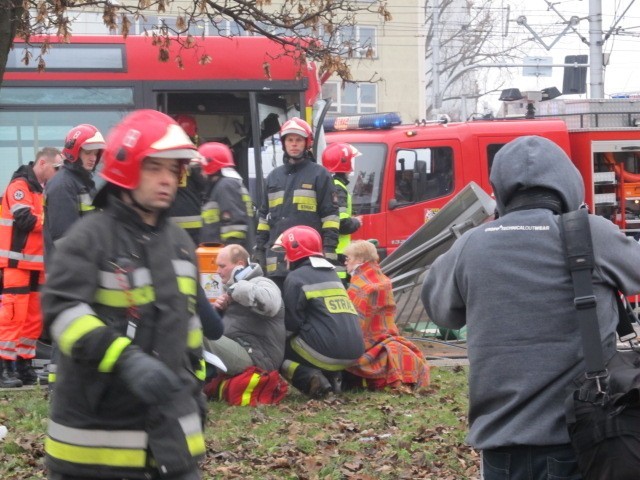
[(112, 457)]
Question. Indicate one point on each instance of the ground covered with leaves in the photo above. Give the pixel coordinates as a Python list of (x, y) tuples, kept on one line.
[(364, 435)]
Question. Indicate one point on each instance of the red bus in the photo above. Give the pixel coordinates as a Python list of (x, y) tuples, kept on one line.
[(250, 87)]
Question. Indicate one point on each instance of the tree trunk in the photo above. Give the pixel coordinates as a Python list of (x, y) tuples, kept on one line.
[(10, 16)]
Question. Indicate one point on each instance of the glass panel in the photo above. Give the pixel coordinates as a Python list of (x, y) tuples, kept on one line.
[(423, 174), (368, 93), (71, 58), (366, 179), (350, 94), (66, 96), (22, 134)]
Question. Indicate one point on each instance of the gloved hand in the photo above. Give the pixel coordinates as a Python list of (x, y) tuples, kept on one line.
[(332, 257), (260, 257), (150, 380)]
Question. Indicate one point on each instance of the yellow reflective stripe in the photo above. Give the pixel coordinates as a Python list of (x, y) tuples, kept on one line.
[(233, 234), (327, 292), (263, 226), (86, 208), (76, 330), (331, 224), (112, 354), (122, 299), (112, 457), (51, 378), (221, 389), (196, 444), (331, 367), (187, 285), (192, 224), (246, 395), (275, 202), (211, 216), (305, 200), (201, 373), (194, 338)]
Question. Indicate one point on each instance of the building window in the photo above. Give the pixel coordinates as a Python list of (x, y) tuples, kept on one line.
[(354, 41), (353, 98)]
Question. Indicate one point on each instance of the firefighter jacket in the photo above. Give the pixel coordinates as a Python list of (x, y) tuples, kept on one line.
[(21, 222), (68, 196), (228, 212), (255, 318), (320, 317), (348, 224), (297, 194), (115, 281), (186, 209)]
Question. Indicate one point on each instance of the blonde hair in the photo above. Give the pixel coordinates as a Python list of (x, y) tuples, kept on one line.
[(362, 250)]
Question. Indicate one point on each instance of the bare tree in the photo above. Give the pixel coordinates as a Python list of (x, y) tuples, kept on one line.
[(289, 22), (469, 33)]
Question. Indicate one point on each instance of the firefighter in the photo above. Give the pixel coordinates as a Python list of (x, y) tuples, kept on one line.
[(300, 192), (324, 334), (119, 301), (338, 159), (228, 211), (21, 257), (186, 210), (69, 194)]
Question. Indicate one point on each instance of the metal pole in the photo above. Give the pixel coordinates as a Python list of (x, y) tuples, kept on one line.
[(596, 82)]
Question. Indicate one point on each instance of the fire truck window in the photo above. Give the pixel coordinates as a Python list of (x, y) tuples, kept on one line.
[(423, 174), (365, 181), (491, 152)]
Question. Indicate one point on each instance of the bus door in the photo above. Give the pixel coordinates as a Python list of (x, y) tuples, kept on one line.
[(246, 120)]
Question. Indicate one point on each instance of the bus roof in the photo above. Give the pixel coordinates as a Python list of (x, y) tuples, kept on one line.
[(136, 58)]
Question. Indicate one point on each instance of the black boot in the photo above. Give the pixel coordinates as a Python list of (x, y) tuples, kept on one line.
[(26, 373), (7, 380), (335, 379), (319, 386)]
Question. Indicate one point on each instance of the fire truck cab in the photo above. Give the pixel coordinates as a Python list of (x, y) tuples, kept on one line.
[(406, 173)]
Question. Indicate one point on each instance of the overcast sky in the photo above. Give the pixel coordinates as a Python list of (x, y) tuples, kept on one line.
[(623, 72)]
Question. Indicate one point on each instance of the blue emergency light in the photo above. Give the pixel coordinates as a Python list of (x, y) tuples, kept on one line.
[(362, 122)]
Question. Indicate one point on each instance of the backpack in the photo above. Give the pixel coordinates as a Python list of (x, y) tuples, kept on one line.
[(254, 386)]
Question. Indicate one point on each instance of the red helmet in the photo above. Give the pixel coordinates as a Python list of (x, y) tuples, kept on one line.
[(338, 157), (84, 136), (188, 124), (214, 157), (299, 127), (299, 242), (141, 134)]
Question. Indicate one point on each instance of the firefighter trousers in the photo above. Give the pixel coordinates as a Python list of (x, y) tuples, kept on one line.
[(20, 315)]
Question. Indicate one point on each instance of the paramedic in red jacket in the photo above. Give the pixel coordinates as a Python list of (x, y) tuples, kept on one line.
[(21, 257)]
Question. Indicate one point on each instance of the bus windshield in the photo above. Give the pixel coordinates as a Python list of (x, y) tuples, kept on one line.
[(365, 182)]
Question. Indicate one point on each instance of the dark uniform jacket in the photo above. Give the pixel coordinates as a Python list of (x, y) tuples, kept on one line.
[(186, 209), (320, 314), (68, 196), (228, 212), (113, 280), (297, 194)]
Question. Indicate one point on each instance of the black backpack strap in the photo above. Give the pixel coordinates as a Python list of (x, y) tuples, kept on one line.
[(579, 253)]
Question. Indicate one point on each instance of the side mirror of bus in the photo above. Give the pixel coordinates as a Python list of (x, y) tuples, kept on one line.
[(393, 203)]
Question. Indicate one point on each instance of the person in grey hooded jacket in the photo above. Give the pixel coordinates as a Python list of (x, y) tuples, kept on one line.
[(508, 281)]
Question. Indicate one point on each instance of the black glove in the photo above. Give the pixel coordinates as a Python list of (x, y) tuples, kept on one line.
[(148, 378), (260, 257)]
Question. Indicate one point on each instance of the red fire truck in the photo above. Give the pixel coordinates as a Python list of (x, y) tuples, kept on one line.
[(406, 173)]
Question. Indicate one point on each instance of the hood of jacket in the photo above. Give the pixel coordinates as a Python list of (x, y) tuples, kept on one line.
[(26, 172), (534, 162)]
